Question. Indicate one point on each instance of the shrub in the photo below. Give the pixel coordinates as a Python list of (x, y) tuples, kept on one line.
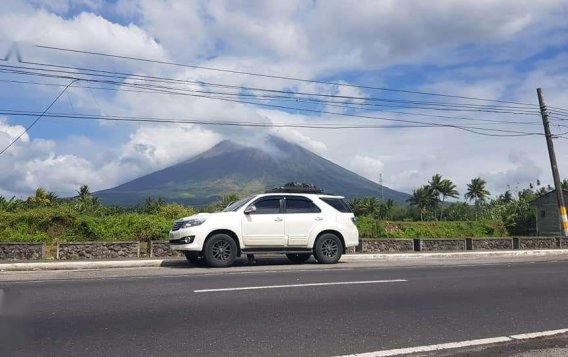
[(372, 228)]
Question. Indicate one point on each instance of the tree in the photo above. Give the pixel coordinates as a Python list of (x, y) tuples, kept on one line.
[(153, 205), (476, 192), (84, 194), (371, 206), (446, 189), (435, 185), (422, 198), (226, 200), (357, 206), (42, 198), (85, 199)]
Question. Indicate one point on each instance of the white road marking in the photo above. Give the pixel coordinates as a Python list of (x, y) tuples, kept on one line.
[(300, 285), (526, 336), (461, 344)]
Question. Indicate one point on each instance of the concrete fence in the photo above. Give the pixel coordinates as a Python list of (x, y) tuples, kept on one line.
[(161, 249), (22, 251)]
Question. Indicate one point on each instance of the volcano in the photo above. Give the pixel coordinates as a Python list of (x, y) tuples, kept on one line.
[(229, 167)]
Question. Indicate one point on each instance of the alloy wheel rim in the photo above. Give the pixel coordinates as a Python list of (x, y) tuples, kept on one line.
[(222, 250), (330, 248)]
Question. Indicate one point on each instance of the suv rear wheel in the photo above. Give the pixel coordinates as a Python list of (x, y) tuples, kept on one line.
[(298, 258), (220, 251), (328, 248)]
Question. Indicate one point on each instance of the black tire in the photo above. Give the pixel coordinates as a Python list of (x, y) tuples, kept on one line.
[(195, 258), (220, 251), (328, 248), (298, 258)]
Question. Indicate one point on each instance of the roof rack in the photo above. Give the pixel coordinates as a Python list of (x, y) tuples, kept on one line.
[(296, 187)]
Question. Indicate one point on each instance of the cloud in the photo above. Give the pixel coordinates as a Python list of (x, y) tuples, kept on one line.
[(30, 164), (85, 31), (465, 48), (366, 166)]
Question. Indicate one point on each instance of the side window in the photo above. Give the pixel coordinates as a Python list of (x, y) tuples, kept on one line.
[(337, 203), (299, 205), (268, 206)]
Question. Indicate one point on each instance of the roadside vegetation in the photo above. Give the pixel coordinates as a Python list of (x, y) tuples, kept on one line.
[(433, 210)]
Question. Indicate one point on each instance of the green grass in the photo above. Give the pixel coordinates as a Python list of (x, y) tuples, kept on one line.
[(372, 228), (66, 223)]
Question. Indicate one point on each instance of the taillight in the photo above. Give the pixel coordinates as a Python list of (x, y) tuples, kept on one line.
[(354, 220)]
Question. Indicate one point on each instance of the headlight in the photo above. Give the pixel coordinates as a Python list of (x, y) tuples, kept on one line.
[(193, 222)]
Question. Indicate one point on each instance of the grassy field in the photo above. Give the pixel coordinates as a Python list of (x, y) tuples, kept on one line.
[(67, 223)]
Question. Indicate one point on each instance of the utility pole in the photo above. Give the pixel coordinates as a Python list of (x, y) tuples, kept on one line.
[(382, 189), (553, 164)]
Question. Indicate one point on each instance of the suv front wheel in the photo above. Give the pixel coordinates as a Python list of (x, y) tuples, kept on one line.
[(328, 248), (220, 251)]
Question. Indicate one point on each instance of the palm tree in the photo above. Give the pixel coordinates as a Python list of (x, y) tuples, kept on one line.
[(41, 197), (476, 191), (371, 206), (52, 197), (226, 200), (446, 189), (386, 208), (435, 183), (84, 194), (422, 198), (356, 205)]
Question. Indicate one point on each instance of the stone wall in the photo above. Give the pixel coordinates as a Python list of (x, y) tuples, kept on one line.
[(161, 249), (98, 250), (492, 244), (537, 243), (386, 245), (442, 244), (562, 242), (22, 251)]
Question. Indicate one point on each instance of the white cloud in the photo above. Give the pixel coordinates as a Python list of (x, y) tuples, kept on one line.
[(30, 164), (296, 39), (85, 31), (366, 166)]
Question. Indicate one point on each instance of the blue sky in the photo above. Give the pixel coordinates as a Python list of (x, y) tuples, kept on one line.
[(495, 49)]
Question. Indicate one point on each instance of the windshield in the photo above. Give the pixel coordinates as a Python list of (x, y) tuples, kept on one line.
[(236, 205)]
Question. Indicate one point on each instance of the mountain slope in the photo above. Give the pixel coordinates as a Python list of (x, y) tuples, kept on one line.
[(232, 168)]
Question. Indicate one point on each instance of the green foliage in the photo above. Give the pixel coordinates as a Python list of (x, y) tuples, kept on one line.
[(226, 200), (372, 228), (424, 199), (371, 206), (85, 219)]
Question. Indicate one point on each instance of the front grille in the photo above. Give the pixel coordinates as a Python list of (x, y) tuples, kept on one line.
[(177, 225)]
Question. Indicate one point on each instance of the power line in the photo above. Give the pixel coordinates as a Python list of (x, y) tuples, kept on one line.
[(475, 130), (276, 76), (151, 91), (445, 106), (38, 118), (347, 105), (323, 111)]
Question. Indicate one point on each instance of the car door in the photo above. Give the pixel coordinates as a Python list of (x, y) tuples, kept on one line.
[(265, 225), (301, 216)]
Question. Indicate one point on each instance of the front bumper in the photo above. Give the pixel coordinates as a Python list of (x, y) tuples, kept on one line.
[(190, 239)]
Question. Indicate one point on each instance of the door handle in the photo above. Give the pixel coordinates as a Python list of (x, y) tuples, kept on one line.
[(319, 219), (278, 219)]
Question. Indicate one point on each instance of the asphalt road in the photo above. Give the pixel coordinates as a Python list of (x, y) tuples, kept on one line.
[(169, 312)]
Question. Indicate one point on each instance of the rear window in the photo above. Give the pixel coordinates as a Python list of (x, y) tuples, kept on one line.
[(337, 203)]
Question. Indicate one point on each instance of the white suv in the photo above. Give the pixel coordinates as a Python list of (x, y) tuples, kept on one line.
[(297, 225)]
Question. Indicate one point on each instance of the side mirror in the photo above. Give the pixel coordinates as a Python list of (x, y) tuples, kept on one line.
[(250, 209)]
